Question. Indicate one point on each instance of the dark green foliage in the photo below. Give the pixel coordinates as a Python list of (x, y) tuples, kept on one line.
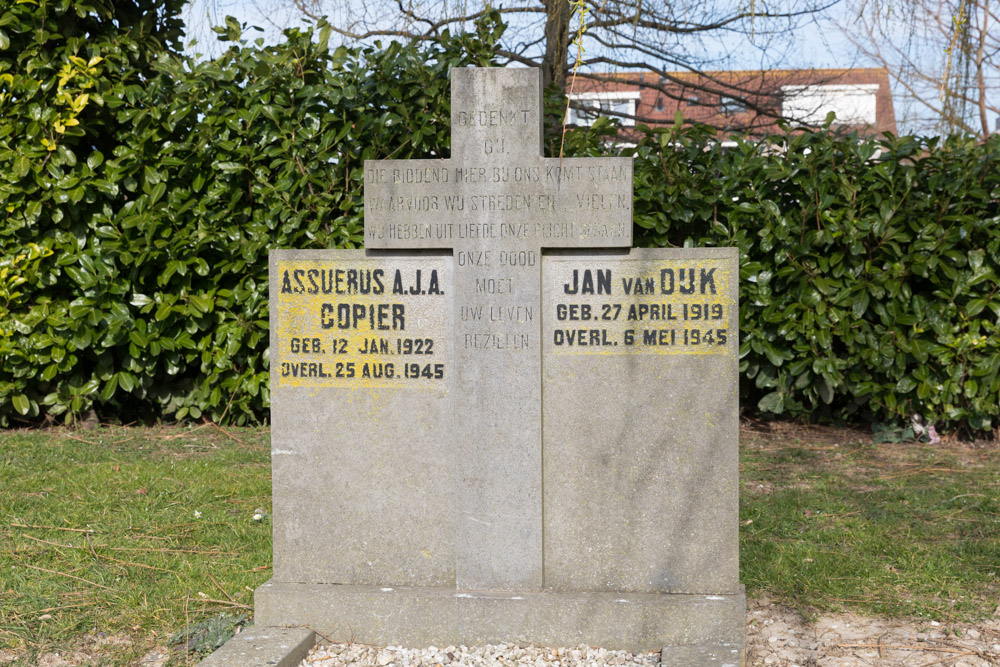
[(868, 279), (69, 73), (140, 194), (141, 266)]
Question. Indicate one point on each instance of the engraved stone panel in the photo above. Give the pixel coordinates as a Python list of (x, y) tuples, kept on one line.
[(361, 376), (640, 412), (496, 203)]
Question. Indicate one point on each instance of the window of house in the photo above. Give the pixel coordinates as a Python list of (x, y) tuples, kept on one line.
[(595, 105), (730, 105), (854, 104), (659, 104)]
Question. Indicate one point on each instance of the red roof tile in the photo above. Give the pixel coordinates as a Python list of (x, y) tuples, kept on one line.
[(698, 95)]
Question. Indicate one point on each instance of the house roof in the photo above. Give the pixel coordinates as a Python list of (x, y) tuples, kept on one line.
[(754, 96)]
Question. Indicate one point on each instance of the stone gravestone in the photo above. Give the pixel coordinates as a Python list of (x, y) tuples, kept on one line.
[(497, 422)]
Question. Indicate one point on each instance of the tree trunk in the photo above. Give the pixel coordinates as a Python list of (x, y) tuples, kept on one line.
[(556, 42), (981, 83)]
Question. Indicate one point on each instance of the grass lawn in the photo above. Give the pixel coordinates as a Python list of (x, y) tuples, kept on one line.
[(830, 521), (114, 539)]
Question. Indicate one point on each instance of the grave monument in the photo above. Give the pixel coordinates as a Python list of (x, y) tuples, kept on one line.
[(498, 422)]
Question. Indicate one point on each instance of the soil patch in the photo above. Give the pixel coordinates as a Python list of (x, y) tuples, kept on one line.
[(780, 636)]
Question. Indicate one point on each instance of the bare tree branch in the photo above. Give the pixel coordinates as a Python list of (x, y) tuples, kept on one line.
[(913, 58), (650, 22), (678, 42)]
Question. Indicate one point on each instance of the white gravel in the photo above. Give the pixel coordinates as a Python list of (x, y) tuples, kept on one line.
[(334, 655), (776, 636)]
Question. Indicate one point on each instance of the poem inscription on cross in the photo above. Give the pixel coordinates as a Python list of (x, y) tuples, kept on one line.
[(496, 204)]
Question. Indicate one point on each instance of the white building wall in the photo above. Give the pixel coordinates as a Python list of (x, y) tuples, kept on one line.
[(854, 104)]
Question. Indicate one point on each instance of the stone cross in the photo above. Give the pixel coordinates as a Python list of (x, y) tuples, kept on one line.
[(497, 204)]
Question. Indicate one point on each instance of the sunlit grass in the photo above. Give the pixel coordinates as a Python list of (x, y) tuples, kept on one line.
[(114, 539), (893, 529), (129, 532)]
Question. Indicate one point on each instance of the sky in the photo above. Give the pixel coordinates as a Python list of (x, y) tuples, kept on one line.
[(813, 46), (817, 43)]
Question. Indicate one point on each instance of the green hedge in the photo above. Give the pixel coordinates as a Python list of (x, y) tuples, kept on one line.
[(133, 279), (868, 269), (135, 251)]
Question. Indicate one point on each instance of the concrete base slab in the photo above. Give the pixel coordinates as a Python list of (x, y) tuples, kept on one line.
[(419, 617), (725, 655), (264, 646)]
